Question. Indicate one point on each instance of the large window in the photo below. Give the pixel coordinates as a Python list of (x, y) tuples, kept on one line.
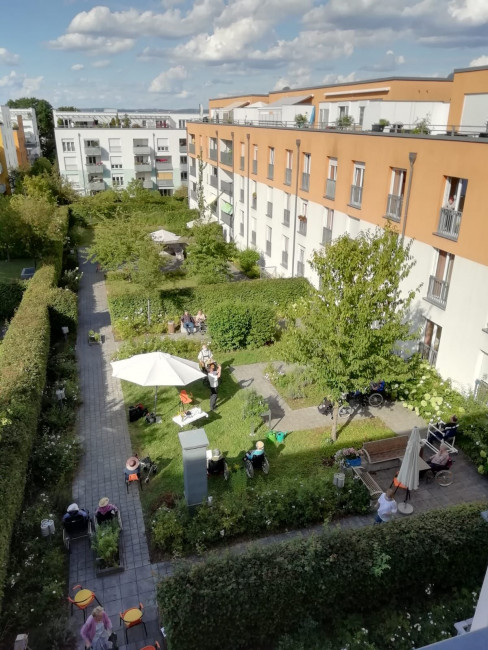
[(116, 162), (357, 185), (440, 279), (117, 181), (330, 186), (429, 346), (68, 145), (114, 145), (162, 144), (397, 192), (70, 163)]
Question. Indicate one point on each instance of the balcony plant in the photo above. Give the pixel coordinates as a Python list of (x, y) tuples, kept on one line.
[(422, 125), (301, 120), (349, 455), (106, 544), (94, 337), (344, 121)]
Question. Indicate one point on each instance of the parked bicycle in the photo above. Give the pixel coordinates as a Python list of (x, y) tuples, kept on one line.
[(357, 400)]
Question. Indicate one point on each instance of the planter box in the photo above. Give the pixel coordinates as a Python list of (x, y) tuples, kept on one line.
[(92, 340), (353, 462), (103, 570)]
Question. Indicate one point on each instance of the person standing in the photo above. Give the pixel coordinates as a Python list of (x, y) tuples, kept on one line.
[(214, 371), (205, 356), (387, 507), (96, 631)]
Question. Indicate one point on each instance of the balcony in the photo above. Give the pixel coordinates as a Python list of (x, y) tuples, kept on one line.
[(270, 172), (165, 163), (241, 229), (193, 171), (394, 207), (254, 203), (326, 236), (449, 223), (300, 269), (182, 147), (356, 196), (241, 163), (330, 189), (241, 196), (96, 185), (214, 182), (254, 166), (268, 248), (253, 237), (437, 292), (147, 183), (269, 209), (212, 154), (191, 147), (226, 158), (142, 166), (226, 218), (284, 259), (226, 186), (94, 168), (141, 150), (302, 226), (93, 151), (305, 182), (428, 353), (287, 176)]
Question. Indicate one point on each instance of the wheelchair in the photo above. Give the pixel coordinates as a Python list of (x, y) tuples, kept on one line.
[(201, 327), (441, 474), (222, 470), (77, 527), (256, 462)]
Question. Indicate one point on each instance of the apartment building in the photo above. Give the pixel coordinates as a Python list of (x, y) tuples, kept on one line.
[(97, 150), (8, 149), (31, 133), (286, 173)]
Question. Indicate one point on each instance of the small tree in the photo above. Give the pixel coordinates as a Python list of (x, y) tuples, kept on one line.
[(350, 328), (209, 254), (301, 120), (126, 122), (344, 121), (422, 125)]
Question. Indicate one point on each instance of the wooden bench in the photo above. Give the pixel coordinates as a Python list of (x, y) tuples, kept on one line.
[(379, 451), (371, 485)]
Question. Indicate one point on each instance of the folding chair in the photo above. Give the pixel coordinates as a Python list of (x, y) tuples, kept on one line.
[(185, 398)]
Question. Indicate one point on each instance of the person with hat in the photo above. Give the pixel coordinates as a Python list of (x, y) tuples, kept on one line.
[(132, 466), (106, 511), (216, 463), (75, 512)]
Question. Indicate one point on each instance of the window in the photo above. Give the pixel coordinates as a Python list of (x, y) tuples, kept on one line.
[(307, 161), (116, 162), (271, 163), (70, 163), (330, 186), (68, 145), (327, 227), (302, 218), (268, 241), (286, 211), (343, 111), (181, 124), (166, 192), (114, 145), (301, 262), (289, 166), (361, 115), (183, 160), (162, 144), (269, 205), (255, 159), (357, 185), (429, 346), (92, 160), (241, 223), (395, 197), (253, 231), (243, 156), (285, 242), (92, 143), (140, 142), (440, 279), (184, 176), (323, 117), (452, 210), (183, 142), (117, 181)]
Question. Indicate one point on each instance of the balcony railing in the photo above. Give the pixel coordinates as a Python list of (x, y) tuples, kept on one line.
[(428, 353), (394, 207), (356, 196), (191, 147), (253, 237), (147, 184), (268, 248), (449, 223), (269, 209), (300, 269), (193, 195), (213, 181), (182, 147), (302, 226), (96, 185), (286, 217), (326, 236), (143, 167), (284, 259), (254, 166), (226, 218), (93, 151), (165, 182), (241, 229), (287, 176), (330, 189), (212, 154), (226, 186), (167, 165), (141, 149), (241, 196), (437, 291), (94, 168), (270, 172), (305, 182), (226, 158)]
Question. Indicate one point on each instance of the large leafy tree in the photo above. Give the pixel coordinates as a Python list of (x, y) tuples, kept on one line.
[(45, 122), (350, 328), (10, 230), (209, 254)]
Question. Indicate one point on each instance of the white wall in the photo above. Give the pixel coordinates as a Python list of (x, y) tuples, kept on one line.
[(8, 138), (475, 113)]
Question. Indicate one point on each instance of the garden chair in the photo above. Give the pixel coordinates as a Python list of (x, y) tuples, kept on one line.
[(132, 617), (132, 478), (83, 598), (185, 398)]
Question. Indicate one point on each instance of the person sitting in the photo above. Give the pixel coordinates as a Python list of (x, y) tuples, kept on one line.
[(256, 453), (200, 318), (216, 463), (439, 460), (188, 322), (445, 430), (75, 514), (378, 386), (132, 466), (106, 511), (326, 407)]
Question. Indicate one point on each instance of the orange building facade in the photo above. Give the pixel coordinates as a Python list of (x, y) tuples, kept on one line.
[(288, 172)]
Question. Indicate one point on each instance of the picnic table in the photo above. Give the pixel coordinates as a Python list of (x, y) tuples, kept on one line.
[(189, 416)]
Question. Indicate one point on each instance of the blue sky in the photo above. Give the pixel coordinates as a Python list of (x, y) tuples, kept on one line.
[(179, 53)]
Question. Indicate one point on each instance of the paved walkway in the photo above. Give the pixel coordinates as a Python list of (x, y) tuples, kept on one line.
[(102, 427)]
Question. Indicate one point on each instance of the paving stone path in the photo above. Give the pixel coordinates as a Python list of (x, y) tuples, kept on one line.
[(103, 430)]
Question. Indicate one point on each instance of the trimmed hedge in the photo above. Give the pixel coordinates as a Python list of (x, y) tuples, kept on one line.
[(63, 311), (324, 578), (10, 297), (22, 379)]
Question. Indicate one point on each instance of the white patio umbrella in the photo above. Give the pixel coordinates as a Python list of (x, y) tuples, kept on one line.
[(157, 369), (164, 236), (409, 470)]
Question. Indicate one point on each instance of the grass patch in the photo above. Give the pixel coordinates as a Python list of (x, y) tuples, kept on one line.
[(11, 270), (294, 386)]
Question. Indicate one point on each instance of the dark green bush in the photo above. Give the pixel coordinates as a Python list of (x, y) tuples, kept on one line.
[(324, 578), (262, 325), (229, 326), (247, 260), (63, 311), (10, 297)]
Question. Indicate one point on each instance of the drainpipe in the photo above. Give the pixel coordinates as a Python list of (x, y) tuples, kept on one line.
[(298, 142), (84, 173), (412, 157), (233, 191), (248, 136)]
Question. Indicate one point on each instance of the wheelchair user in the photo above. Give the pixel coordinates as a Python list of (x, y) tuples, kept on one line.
[(440, 460), (216, 463), (132, 466), (446, 431), (106, 511), (75, 514), (257, 454)]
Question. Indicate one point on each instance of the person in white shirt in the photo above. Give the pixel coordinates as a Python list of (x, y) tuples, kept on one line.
[(214, 371), (387, 507), (205, 356)]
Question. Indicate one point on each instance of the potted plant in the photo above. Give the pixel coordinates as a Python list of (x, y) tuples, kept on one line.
[(380, 126), (301, 120), (349, 455), (344, 121), (106, 544), (94, 337)]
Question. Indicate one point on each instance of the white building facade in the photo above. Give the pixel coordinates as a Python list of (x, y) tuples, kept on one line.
[(31, 132)]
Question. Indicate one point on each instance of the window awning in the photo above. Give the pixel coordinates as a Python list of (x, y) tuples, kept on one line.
[(228, 208), (290, 101)]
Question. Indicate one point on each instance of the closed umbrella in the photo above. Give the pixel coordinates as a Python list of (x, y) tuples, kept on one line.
[(408, 476), (164, 236), (157, 369)]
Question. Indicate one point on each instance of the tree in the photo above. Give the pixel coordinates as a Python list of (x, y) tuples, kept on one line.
[(350, 328), (117, 244), (9, 227), (209, 254), (69, 109), (126, 122), (45, 122), (40, 227)]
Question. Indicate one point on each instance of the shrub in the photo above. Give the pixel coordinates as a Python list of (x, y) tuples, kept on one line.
[(229, 326), (63, 311), (247, 261), (10, 297), (321, 578), (187, 347), (262, 325)]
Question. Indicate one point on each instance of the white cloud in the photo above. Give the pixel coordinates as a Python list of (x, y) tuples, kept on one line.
[(323, 45), (20, 84), (480, 61), (92, 45), (388, 63), (334, 78), (168, 82), (8, 57), (8, 79), (101, 64), (31, 85), (472, 11), (77, 66)]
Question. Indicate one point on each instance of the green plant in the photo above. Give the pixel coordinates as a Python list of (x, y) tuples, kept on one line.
[(94, 336), (301, 120), (422, 125), (247, 260), (384, 122), (344, 121), (63, 311), (10, 297), (105, 543)]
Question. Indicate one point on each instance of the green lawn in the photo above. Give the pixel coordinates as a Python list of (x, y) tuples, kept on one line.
[(12, 270)]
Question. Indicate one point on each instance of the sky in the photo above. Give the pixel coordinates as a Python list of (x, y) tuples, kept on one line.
[(175, 54)]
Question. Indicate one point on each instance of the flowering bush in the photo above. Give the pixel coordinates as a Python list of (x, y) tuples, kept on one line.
[(348, 453)]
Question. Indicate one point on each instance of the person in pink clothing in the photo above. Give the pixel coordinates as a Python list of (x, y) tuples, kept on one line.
[(96, 631)]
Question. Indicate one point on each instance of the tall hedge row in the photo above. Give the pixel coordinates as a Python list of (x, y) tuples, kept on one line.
[(248, 601), (280, 293), (10, 297)]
